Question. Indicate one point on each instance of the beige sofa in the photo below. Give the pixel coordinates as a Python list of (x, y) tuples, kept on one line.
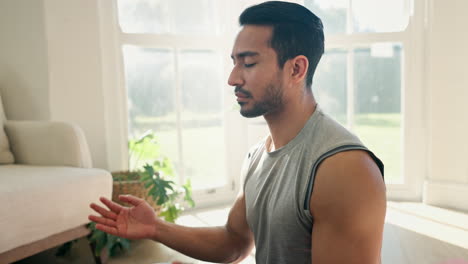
[(46, 184)]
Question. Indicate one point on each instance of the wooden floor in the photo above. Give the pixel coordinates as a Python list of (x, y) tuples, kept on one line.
[(407, 247), (414, 234)]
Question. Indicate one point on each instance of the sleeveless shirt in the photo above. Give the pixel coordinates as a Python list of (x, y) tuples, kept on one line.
[(278, 186)]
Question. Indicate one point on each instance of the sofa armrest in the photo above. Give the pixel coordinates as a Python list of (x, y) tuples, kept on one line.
[(48, 143)]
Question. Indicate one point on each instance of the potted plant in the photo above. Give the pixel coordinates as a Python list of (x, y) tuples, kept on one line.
[(153, 182)]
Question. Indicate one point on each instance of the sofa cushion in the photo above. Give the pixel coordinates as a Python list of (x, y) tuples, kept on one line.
[(40, 201), (6, 157)]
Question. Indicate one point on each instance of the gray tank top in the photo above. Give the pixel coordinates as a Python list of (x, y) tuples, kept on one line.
[(278, 186)]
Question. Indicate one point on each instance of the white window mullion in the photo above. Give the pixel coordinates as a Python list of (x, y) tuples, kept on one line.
[(413, 107), (337, 41), (169, 40), (349, 17), (178, 104), (350, 92)]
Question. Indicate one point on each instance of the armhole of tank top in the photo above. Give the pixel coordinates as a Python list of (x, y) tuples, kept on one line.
[(311, 181)]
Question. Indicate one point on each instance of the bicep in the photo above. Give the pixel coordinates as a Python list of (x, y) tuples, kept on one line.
[(346, 244), (348, 205), (237, 224)]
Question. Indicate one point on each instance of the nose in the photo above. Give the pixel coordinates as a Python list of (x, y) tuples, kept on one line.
[(235, 78)]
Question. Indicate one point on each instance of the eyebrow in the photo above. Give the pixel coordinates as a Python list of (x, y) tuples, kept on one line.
[(245, 54)]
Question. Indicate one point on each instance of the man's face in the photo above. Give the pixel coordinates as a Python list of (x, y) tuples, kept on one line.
[(256, 75)]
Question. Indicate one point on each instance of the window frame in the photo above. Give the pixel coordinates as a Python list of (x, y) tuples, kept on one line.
[(112, 41), (413, 101), (241, 133)]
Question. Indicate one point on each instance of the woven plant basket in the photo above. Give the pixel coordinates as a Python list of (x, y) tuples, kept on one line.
[(132, 187)]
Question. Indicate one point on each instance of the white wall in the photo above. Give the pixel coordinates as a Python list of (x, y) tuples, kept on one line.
[(23, 60), (50, 66), (447, 83), (75, 82)]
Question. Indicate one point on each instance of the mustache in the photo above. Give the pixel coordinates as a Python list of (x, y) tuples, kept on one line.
[(239, 89)]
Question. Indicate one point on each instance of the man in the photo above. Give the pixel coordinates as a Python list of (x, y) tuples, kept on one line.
[(312, 192)]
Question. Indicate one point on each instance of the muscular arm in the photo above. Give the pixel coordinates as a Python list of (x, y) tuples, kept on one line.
[(229, 243), (348, 205)]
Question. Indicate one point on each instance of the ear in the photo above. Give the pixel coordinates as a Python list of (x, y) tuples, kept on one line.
[(299, 67)]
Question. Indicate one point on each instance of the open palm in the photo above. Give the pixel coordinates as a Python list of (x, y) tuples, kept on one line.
[(136, 222)]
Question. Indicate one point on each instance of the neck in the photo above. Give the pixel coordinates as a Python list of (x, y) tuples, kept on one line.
[(284, 125)]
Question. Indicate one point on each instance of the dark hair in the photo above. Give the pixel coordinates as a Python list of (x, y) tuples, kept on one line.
[(296, 31)]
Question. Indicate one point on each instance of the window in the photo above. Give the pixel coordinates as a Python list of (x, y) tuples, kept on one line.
[(371, 104), (369, 79), (173, 60), (364, 77)]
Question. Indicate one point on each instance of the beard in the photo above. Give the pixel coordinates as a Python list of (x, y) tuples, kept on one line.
[(271, 102)]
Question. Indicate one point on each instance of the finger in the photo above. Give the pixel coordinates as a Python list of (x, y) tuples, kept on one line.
[(103, 212), (102, 220), (114, 207), (108, 229), (135, 201)]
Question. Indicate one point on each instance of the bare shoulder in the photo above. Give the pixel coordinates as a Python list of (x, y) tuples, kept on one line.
[(348, 184), (348, 205)]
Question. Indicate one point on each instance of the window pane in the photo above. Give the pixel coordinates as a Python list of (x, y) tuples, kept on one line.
[(332, 13), (143, 16), (240, 5), (367, 15), (202, 115), (193, 16), (380, 15), (329, 85), (167, 16), (151, 100), (377, 76)]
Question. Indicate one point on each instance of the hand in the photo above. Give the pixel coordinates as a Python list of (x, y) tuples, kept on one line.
[(136, 222)]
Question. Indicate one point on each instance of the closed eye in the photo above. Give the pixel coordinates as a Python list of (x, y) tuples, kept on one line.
[(249, 65)]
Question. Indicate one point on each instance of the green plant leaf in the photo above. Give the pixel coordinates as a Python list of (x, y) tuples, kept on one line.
[(155, 176), (145, 176), (125, 243), (148, 184), (158, 164), (98, 236), (100, 243), (149, 170), (111, 242), (149, 134), (167, 167), (188, 193), (114, 250), (170, 213)]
